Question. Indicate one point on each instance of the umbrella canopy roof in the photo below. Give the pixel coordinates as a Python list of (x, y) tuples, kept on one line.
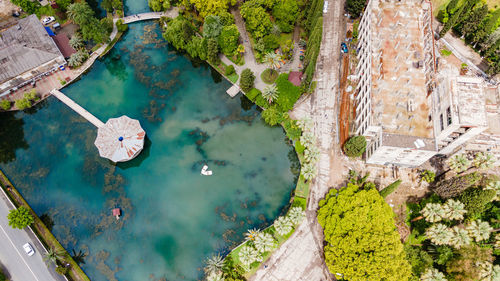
[(120, 139)]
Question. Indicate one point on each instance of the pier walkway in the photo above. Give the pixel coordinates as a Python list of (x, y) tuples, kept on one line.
[(80, 110)]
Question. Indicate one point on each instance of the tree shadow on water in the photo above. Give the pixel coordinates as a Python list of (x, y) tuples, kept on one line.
[(11, 136), (136, 162)]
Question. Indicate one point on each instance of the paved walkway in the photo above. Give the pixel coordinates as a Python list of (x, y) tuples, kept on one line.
[(301, 257)]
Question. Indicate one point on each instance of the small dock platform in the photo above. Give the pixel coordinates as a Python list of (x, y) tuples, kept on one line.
[(80, 110), (233, 91)]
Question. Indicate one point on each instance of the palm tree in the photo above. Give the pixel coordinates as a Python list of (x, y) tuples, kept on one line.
[(283, 225), (272, 60), (485, 270), (454, 210), (311, 154), (214, 264), (79, 12), (270, 93), (458, 163), (433, 212), (52, 256), (494, 185), (460, 237), (79, 257), (296, 215), (480, 230), (307, 139), (432, 274), (308, 171), (76, 41), (215, 277), (251, 234), (249, 255), (439, 234), (495, 274), (304, 124), (264, 242), (483, 160)]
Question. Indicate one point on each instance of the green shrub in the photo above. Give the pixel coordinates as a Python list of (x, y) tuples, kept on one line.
[(272, 116), (292, 130), (121, 26), (456, 185), (428, 176), (22, 103), (299, 147), (355, 146), (288, 93), (253, 93), (229, 70), (31, 95), (20, 218), (475, 200), (62, 270), (445, 52), (390, 188), (271, 42), (269, 76), (419, 259), (5, 104), (246, 80)]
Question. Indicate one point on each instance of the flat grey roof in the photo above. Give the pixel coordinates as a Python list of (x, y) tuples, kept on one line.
[(25, 46)]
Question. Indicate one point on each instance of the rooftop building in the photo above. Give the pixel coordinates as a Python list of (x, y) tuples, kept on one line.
[(408, 112), (26, 52)]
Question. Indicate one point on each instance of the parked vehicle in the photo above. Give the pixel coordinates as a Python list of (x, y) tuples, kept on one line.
[(28, 249), (344, 47), (48, 20)]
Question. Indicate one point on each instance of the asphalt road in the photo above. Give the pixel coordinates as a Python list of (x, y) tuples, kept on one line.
[(19, 266)]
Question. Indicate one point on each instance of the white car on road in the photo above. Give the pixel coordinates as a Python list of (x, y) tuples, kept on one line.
[(28, 249), (48, 20)]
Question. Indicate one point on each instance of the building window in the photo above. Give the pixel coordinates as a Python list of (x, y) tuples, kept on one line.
[(441, 122), (430, 118), (448, 115)]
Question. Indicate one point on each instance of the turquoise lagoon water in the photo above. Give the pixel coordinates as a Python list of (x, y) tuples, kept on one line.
[(173, 218)]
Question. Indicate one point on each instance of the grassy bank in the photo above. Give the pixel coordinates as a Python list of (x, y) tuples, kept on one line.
[(42, 232)]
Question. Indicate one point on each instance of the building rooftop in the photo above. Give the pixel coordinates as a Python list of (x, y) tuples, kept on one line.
[(62, 42), (400, 101), (469, 99), (25, 46)]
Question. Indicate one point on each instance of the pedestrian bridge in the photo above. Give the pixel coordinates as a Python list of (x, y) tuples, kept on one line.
[(172, 13)]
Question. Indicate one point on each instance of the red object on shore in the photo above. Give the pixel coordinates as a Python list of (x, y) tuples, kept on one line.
[(116, 212)]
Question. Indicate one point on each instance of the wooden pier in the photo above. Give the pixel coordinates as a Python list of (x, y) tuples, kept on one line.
[(233, 91), (80, 110)]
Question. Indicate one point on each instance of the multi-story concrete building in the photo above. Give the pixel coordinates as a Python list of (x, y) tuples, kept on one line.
[(406, 111)]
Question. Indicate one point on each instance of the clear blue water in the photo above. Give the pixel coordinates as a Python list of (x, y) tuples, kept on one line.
[(173, 218)]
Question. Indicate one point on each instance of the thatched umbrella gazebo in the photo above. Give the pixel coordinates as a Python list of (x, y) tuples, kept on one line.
[(120, 139)]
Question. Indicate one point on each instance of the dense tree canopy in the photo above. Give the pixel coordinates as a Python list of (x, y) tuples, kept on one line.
[(212, 27), (285, 12), (212, 7), (355, 7), (257, 19), (362, 242), (157, 5), (228, 39), (20, 218), (91, 28)]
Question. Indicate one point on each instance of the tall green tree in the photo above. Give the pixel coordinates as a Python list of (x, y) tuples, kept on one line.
[(361, 239), (256, 18), (452, 20), (228, 39), (285, 12), (212, 27), (20, 218), (246, 80), (212, 51), (474, 21)]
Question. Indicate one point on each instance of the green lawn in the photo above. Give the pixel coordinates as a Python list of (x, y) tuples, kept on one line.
[(285, 37), (233, 77), (288, 93)]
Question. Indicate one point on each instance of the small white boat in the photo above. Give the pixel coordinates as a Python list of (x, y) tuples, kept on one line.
[(205, 171)]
